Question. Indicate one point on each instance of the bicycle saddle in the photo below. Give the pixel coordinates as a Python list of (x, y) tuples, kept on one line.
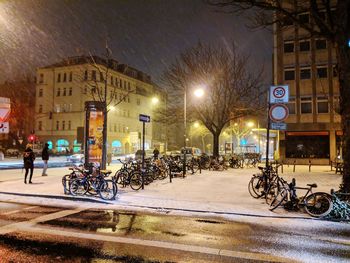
[(312, 185), (106, 171)]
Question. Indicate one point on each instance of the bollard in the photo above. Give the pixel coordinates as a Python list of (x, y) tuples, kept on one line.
[(309, 165), (294, 167), (170, 175), (200, 166), (281, 167)]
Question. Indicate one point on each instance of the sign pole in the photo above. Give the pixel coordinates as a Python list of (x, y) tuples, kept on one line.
[(267, 140), (143, 153)]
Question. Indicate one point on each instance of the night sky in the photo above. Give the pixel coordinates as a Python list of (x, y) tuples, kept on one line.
[(146, 34)]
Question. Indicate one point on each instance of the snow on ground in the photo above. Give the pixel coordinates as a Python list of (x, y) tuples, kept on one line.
[(210, 191)]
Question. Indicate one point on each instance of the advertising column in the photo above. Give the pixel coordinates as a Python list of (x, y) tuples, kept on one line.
[(94, 132)]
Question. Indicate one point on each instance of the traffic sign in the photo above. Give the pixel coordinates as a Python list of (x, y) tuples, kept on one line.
[(279, 94), (278, 112), (278, 126), (4, 127), (5, 107), (144, 118)]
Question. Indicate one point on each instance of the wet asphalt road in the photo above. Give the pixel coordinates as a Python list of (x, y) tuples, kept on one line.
[(50, 234)]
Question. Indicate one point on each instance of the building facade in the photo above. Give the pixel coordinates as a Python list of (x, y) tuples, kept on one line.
[(63, 88), (308, 65)]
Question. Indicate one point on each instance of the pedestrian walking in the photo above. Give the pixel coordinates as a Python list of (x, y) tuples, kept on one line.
[(45, 157), (28, 161), (155, 153)]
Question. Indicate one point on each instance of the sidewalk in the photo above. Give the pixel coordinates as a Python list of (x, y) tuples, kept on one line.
[(210, 192)]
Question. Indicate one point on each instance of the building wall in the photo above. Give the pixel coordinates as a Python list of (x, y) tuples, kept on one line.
[(313, 88), (60, 104)]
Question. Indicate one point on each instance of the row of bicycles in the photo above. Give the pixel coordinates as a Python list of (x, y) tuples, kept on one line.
[(277, 192), (90, 180)]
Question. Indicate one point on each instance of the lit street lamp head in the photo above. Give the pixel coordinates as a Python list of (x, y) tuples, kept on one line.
[(199, 92), (155, 100)]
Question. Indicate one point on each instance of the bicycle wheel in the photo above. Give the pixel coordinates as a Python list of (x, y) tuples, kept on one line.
[(121, 178), (318, 204), (256, 186), (135, 181), (78, 187), (108, 189), (280, 198), (271, 193)]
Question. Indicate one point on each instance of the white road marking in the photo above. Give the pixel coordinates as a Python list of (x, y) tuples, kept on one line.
[(18, 210), (30, 223), (152, 243)]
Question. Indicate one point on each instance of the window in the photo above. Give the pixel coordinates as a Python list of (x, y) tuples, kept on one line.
[(287, 21), (40, 93), (69, 125), (138, 102), (58, 92), (64, 91), (288, 47), (70, 92), (101, 77), (41, 78), (305, 73), (64, 77), (307, 145), (57, 108), (322, 72), (291, 105), (304, 18), (70, 76), (306, 105), (59, 77), (57, 125), (289, 74), (93, 75), (40, 125), (86, 75), (63, 125), (322, 104), (304, 45), (70, 107), (40, 108), (321, 44)]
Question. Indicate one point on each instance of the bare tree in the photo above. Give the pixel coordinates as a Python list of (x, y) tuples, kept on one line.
[(230, 90), (330, 20), (102, 88)]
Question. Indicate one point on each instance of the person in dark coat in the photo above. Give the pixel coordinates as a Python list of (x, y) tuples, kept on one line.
[(28, 161), (155, 153), (45, 157)]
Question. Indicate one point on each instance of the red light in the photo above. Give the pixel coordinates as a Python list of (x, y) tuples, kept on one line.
[(31, 138)]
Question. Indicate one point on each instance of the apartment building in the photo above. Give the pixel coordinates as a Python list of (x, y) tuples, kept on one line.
[(308, 65), (63, 88)]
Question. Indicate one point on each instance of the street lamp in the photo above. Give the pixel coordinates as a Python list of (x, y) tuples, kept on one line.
[(155, 100), (198, 92)]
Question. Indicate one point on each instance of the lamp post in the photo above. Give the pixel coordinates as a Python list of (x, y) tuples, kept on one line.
[(198, 92)]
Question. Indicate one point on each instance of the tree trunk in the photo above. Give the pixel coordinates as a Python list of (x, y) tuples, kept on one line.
[(343, 59), (216, 144), (203, 144)]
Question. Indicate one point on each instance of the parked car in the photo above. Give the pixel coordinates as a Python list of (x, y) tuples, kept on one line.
[(12, 152), (76, 158), (148, 154), (191, 152)]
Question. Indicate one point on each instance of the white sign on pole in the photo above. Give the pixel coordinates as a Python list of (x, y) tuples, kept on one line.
[(278, 112), (278, 126), (279, 94), (4, 127)]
